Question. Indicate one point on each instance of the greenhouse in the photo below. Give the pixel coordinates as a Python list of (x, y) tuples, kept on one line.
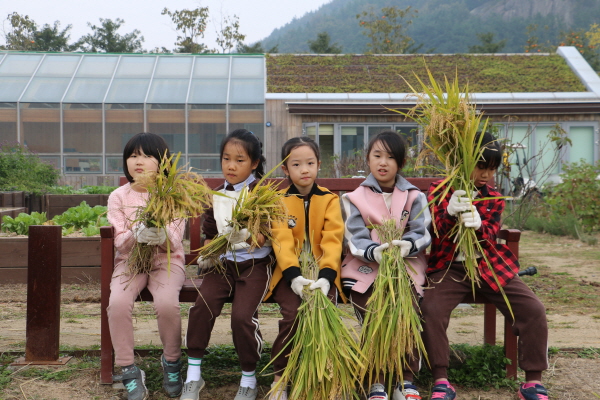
[(78, 110)]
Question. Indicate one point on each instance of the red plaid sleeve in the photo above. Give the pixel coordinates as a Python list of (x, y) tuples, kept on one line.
[(504, 263)]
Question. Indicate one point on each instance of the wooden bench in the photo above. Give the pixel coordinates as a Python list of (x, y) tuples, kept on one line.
[(189, 291)]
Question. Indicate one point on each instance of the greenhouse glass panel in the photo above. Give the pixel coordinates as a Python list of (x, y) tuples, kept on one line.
[(12, 87), (168, 91), (135, 67), (20, 64), (83, 164), (128, 91), (206, 128), (248, 91), (58, 66), (212, 67), (122, 122), (169, 124), (173, 67), (208, 91), (97, 66), (82, 129), (114, 165), (41, 127), (87, 90), (248, 116), (248, 68), (46, 90), (206, 165)]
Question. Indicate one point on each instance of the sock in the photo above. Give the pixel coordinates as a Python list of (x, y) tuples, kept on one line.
[(528, 385), (248, 379), (443, 383), (407, 382), (193, 372)]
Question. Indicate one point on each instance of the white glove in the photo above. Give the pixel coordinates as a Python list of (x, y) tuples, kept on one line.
[(204, 264), (321, 283), (142, 233), (298, 284), (458, 204), (378, 252), (404, 245), (157, 236), (471, 219), (236, 237)]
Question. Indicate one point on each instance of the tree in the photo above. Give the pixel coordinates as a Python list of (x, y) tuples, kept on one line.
[(388, 31), (106, 39), (21, 34), (255, 48), (487, 44), (322, 46), (50, 38), (229, 36), (192, 25)]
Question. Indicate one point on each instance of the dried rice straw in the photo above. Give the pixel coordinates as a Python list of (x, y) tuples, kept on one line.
[(392, 327)]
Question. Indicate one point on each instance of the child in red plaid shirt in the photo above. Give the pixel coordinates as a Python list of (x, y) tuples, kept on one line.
[(448, 284)]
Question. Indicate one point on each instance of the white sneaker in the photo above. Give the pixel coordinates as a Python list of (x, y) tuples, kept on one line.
[(377, 392), (410, 392), (246, 393), (279, 394)]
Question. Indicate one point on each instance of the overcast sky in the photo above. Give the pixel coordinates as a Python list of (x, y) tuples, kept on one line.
[(257, 18)]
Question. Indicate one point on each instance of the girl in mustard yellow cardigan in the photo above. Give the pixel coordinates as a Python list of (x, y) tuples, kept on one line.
[(315, 221)]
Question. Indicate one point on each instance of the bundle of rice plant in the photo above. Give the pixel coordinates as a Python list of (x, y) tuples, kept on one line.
[(391, 330), (254, 210), (450, 125), (174, 194), (326, 356)]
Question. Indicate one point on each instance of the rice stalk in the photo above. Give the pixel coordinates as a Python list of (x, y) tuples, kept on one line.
[(255, 210), (326, 356), (450, 124), (174, 194), (391, 331)]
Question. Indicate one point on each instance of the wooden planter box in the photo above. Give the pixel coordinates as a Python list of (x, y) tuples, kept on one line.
[(56, 204), (80, 259), (12, 199), (11, 211)]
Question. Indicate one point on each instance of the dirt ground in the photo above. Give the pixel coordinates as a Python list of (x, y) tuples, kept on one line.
[(568, 283)]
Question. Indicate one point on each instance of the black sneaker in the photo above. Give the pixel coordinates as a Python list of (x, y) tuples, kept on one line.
[(134, 381), (442, 391), (172, 380), (537, 392)]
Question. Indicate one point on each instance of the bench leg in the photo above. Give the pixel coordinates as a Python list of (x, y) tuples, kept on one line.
[(107, 358), (510, 349), (489, 324)]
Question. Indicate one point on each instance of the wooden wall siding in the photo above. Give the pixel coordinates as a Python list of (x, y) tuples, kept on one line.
[(82, 116), (246, 116), (8, 115), (207, 117), (125, 116), (283, 127)]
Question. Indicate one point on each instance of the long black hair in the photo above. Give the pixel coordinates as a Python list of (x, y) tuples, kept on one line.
[(151, 144), (253, 146)]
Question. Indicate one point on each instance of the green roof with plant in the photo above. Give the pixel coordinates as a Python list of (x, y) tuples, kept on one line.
[(350, 73)]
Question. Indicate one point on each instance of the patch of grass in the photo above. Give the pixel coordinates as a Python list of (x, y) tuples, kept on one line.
[(474, 367), (564, 292), (589, 352)]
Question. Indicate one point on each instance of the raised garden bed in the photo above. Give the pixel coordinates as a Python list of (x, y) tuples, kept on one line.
[(11, 211), (80, 259), (56, 204)]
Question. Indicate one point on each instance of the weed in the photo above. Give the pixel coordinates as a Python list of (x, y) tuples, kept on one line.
[(589, 352), (475, 366)]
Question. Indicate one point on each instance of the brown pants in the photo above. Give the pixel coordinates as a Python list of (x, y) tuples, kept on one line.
[(288, 302), (530, 319), (359, 301), (245, 291)]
